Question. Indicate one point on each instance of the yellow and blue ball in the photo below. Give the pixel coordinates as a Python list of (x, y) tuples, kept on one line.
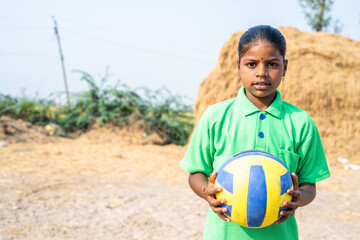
[(254, 186)]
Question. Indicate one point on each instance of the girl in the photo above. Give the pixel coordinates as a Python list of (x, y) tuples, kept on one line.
[(257, 119)]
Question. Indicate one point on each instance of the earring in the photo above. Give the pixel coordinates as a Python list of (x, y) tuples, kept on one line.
[(282, 79)]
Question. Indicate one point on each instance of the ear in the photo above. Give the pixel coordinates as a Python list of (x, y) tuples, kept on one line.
[(285, 67), (238, 66)]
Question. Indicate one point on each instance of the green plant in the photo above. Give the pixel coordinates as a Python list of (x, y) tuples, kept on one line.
[(161, 111), (34, 111), (168, 116)]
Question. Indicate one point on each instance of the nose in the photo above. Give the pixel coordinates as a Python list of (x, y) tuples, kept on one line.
[(262, 71)]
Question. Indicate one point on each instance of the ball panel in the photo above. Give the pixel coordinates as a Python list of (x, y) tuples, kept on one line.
[(257, 153), (222, 179), (244, 163), (241, 187), (229, 197), (270, 167), (273, 196), (285, 197), (286, 182), (257, 197)]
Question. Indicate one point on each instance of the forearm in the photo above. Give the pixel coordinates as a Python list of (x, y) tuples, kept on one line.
[(197, 181), (308, 193)]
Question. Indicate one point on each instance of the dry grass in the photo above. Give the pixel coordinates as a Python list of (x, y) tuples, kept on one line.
[(322, 79)]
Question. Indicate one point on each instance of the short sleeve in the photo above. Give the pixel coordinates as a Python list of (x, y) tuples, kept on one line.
[(200, 151), (312, 165)]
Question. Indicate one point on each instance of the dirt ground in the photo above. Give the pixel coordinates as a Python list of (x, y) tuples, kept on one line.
[(108, 186)]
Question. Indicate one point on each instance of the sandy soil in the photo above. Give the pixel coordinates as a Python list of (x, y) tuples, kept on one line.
[(98, 187)]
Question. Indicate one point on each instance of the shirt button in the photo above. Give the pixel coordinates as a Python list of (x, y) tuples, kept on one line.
[(261, 134), (262, 116)]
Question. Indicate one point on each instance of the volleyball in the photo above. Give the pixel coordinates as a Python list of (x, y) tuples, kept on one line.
[(254, 186)]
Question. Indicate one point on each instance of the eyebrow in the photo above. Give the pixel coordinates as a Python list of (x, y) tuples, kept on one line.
[(274, 59), (269, 60)]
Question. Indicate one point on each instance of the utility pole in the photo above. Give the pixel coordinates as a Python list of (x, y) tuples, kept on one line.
[(62, 61)]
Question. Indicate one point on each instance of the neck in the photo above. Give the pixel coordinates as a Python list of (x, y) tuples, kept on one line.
[(261, 103)]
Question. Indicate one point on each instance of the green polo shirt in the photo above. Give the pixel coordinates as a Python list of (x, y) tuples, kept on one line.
[(235, 125)]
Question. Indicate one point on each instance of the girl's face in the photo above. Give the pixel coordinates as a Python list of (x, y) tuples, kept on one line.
[(261, 69)]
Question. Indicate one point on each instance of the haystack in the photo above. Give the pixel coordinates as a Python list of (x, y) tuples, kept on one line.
[(322, 78)]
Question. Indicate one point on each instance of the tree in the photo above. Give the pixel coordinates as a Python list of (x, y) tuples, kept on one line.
[(317, 13)]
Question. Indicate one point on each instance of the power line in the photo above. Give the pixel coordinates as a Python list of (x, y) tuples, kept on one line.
[(24, 28), (115, 32), (157, 52), (112, 42), (125, 45), (25, 16), (26, 54)]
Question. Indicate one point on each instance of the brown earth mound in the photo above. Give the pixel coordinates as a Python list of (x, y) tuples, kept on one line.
[(12, 130), (133, 135), (322, 79)]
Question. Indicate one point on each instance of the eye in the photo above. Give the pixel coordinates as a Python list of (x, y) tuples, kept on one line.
[(272, 64), (251, 64)]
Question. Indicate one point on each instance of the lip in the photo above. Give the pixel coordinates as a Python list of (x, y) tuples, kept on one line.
[(261, 85)]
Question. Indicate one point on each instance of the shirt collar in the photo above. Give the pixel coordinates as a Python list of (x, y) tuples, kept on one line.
[(248, 108)]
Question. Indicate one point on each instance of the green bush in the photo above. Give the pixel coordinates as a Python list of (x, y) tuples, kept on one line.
[(34, 111), (162, 112)]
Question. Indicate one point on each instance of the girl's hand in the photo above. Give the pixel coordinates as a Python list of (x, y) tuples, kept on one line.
[(294, 204), (209, 195)]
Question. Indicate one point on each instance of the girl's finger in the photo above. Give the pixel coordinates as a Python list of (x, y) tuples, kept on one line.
[(223, 217), (295, 181), (219, 209), (292, 205), (216, 202), (212, 190), (212, 177), (287, 213), (294, 193)]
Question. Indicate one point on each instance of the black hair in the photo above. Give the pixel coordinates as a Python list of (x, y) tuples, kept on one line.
[(264, 33)]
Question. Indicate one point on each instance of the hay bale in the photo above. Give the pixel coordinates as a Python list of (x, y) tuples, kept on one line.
[(322, 78)]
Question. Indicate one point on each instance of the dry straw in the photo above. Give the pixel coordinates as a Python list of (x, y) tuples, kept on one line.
[(322, 78)]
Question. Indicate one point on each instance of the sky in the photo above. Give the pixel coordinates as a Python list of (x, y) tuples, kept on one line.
[(158, 43)]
